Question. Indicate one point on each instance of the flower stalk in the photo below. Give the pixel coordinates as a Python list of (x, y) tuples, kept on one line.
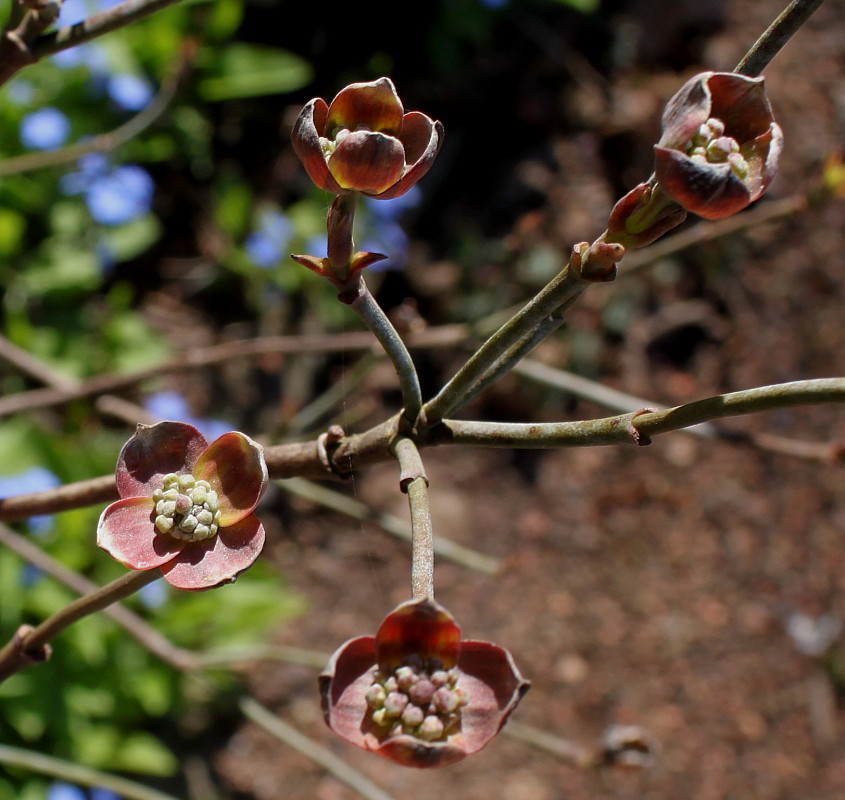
[(414, 483), (373, 316)]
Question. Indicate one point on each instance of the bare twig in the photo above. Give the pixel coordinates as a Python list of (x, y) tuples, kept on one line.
[(103, 142), (776, 36), (444, 336), (31, 645), (445, 548), (75, 773), (137, 627), (302, 744)]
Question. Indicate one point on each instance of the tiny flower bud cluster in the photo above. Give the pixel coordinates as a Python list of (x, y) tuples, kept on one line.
[(186, 508), (417, 699), (711, 146)]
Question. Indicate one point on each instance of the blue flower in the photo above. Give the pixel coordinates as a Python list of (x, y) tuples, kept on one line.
[(394, 208), (129, 92), (268, 244), (114, 195), (153, 595), (172, 406), (64, 791), (44, 129), (35, 479), (98, 792), (121, 196)]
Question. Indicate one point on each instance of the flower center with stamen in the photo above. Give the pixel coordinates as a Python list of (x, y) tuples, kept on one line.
[(710, 146), (417, 699), (186, 508)]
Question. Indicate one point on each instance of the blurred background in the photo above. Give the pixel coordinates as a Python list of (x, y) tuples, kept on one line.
[(693, 588)]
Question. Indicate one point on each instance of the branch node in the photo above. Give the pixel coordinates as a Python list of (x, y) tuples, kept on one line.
[(639, 439), (327, 443), (31, 656)]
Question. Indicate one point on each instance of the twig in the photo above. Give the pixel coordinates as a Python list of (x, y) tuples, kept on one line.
[(75, 773), (563, 289), (103, 142), (136, 626), (445, 548), (96, 25), (372, 315), (570, 752), (30, 645), (616, 430), (302, 744), (787, 24), (414, 482), (444, 336), (302, 459)]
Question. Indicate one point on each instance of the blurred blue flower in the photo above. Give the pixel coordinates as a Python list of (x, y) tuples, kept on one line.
[(394, 208), (494, 3), (34, 479), (89, 55), (121, 196), (129, 92), (316, 246), (153, 595), (172, 406), (114, 195), (268, 244), (30, 576), (98, 792), (65, 791), (44, 129), (21, 92)]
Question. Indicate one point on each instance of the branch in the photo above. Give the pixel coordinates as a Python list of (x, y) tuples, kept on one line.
[(31, 645), (75, 773), (776, 36), (333, 764), (618, 430)]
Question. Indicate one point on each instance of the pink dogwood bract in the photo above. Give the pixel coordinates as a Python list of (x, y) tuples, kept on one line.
[(415, 693), (185, 506), (365, 142), (720, 144)]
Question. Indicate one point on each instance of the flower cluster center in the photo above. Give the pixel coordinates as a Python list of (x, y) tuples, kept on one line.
[(418, 699), (710, 146), (186, 508)]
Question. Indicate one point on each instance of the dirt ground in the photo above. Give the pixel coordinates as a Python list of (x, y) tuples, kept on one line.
[(654, 586)]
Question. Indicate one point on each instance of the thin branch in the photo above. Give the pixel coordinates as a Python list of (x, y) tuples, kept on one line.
[(31, 645), (320, 755), (334, 500), (444, 336), (618, 430), (414, 482), (96, 25), (563, 289), (787, 24), (75, 773), (372, 315), (103, 142), (133, 624)]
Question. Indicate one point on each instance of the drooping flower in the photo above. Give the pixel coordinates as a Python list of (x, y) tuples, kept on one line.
[(365, 142), (186, 506), (417, 694), (720, 144)]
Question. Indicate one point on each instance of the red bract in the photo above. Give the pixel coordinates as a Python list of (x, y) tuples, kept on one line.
[(720, 144), (186, 506), (415, 693), (365, 142)]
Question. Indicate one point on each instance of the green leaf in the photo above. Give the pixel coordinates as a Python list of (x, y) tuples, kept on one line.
[(248, 70)]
